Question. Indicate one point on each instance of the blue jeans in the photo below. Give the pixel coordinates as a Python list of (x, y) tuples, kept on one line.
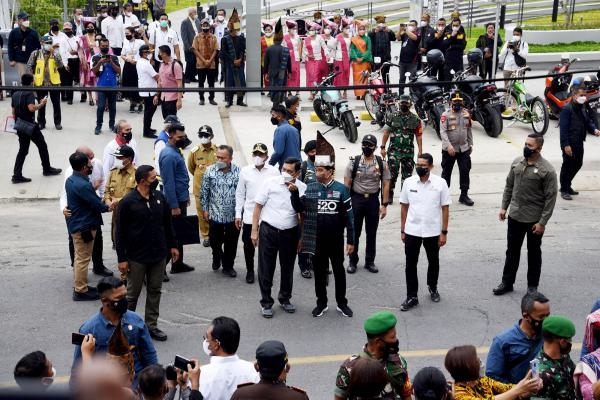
[(103, 99)]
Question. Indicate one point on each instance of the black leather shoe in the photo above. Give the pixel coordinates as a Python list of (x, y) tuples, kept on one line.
[(409, 303), (150, 135), (212, 102), (435, 296), (180, 268), (216, 265), (59, 126), (229, 104), (502, 288), (229, 272), (249, 276), (157, 334), (201, 103), (20, 179), (351, 267), (573, 192), (52, 171), (371, 268), (85, 296), (531, 289), (566, 195), (102, 271), (466, 200)]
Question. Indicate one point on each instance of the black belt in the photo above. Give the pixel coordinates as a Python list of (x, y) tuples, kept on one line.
[(277, 229), (366, 195)]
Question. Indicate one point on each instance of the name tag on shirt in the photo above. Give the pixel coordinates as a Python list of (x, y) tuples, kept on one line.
[(414, 191), (24, 48)]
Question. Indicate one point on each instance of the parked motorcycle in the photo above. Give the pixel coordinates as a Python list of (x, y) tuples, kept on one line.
[(381, 103), (480, 98), (557, 93), (333, 110), (427, 95)]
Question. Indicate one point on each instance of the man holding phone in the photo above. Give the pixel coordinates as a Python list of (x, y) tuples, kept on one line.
[(107, 69)]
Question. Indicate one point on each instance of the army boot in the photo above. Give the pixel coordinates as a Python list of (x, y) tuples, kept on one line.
[(465, 199)]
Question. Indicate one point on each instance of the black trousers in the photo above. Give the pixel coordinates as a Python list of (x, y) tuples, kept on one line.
[(305, 262), (271, 242), (209, 75), (24, 140), (168, 108), (570, 166), (179, 262), (249, 249), (514, 237), (329, 248), (68, 77), (463, 159), (412, 248), (223, 242), (367, 210), (97, 260), (55, 98), (149, 110), (190, 65)]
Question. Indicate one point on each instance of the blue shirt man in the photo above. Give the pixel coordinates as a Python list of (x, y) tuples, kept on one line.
[(85, 205), (107, 69), (286, 140)]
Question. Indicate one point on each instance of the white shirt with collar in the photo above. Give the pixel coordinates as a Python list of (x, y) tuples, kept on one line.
[(66, 45), (222, 376), (113, 29), (275, 198), (164, 38), (146, 74), (220, 32), (129, 20), (425, 202), (108, 160), (251, 180)]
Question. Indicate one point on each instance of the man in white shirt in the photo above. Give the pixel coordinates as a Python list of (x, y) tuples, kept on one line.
[(277, 207), (113, 29), (147, 79), (69, 52), (425, 201), (129, 18), (252, 178), (165, 36), (123, 136), (220, 28), (226, 370), (513, 49)]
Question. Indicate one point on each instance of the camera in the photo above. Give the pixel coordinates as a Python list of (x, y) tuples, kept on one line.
[(511, 44)]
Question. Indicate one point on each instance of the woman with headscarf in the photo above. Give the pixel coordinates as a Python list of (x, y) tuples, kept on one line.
[(361, 57), (587, 371), (314, 46), (294, 44), (341, 61)]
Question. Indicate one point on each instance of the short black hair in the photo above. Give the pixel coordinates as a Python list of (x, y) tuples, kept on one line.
[(163, 13), (539, 139), (428, 157), (490, 24), (226, 147), (291, 100), (131, 29), (518, 29), (227, 331), (527, 302), (103, 40), (108, 283), (152, 380), (442, 19), (142, 172), (165, 49), (78, 161), (26, 80), (222, 10), (279, 108), (174, 128), (31, 366), (293, 160)]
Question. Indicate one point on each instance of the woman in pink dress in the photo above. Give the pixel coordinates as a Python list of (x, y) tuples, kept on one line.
[(88, 46), (294, 44), (342, 57), (314, 45)]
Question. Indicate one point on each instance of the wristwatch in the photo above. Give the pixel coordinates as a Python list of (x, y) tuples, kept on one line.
[(444, 231)]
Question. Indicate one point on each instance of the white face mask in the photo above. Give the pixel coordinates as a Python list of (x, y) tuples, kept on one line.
[(423, 24), (204, 140), (287, 177), (220, 18), (205, 347), (128, 13), (268, 34), (49, 380), (258, 161), (327, 31), (516, 38), (455, 28), (347, 31), (312, 33), (581, 99), (118, 164), (149, 56), (47, 47), (25, 24), (412, 28)]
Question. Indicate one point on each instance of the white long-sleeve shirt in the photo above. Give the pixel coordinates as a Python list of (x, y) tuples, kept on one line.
[(507, 55), (251, 179), (114, 31), (108, 160)]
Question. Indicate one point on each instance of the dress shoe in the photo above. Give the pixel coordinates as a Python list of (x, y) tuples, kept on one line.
[(371, 268), (216, 265), (150, 135), (98, 130), (69, 101), (212, 102), (206, 243), (351, 267), (201, 102), (52, 171), (86, 296), (466, 200), (180, 268), (102, 271), (502, 288), (288, 307), (42, 126), (157, 334), (410, 302), (249, 276), (229, 272), (566, 195), (573, 192), (531, 289), (20, 179), (434, 294), (267, 312), (229, 104)]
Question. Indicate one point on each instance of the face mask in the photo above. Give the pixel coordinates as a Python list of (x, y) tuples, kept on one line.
[(149, 56), (104, 14), (69, 33), (455, 28), (25, 24), (422, 171), (411, 28), (347, 31), (327, 31), (381, 26), (220, 18), (566, 349), (154, 184), (104, 50), (350, 19), (114, 13), (164, 24), (180, 144), (47, 47), (312, 33), (119, 306), (318, 21), (516, 38), (581, 99), (204, 140), (392, 348), (367, 151), (535, 324), (54, 29), (221, 164), (456, 107), (423, 24), (527, 152), (292, 32), (49, 380), (127, 13), (258, 161), (205, 347), (274, 121), (311, 158), (287, 177), (205, 29), (90, 30), (268, 34), (128, 136), (441, 28), (404, 108), (128, 37), (118, 164)]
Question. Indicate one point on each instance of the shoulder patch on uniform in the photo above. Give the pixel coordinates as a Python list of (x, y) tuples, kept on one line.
[(297, 389), (241, 385), (194, 149)]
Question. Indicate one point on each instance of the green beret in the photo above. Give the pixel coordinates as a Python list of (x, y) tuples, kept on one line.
[(559, 325), (380, 322)]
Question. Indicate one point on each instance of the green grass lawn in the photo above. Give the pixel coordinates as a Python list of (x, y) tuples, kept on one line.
[(174, 5), (581, 20)]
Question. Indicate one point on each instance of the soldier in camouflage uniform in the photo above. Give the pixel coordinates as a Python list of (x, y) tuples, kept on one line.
[(382, 345), (405, 128), (554, 363)]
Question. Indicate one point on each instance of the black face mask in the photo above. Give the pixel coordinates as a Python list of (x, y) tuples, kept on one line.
[(404, 108), (154, 184), (180, 144), (114, 13), (90, 30), (54, 29), (119, 306), (456, 107), (205, 30), (566, 349), (274, 121), (536, 325), (422, 171), (69, 33), (128, 37), (527, 152), (392, 348), (104, 50), (367, 151), (128, 136), (311, 158)]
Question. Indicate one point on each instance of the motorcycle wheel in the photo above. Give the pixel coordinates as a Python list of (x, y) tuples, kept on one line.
[(510, 104), (370, 104), (318, 106), (349, 126), (492, 121), (435, 114), (539, 116)]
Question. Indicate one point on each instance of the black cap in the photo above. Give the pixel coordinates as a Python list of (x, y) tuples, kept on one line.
[(124, 151), (271, 357), (205, 130), (370, 139), (22, 15), (310, 145), (53, 21)]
